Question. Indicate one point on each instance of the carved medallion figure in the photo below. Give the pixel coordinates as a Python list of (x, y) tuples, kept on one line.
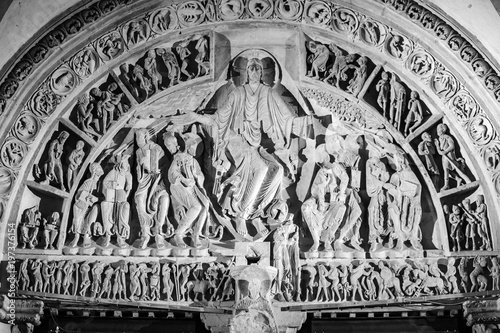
[(63, 81), (110, 46), (289, 9), (190, 13), (136, 32), (163, 19), (318, 12), (85, 62), (26, 127)]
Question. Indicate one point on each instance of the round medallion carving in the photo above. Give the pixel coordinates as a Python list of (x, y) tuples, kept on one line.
[(190, 13), (491, 155), (13, 152), (421, 64), (85, 62), (464, 106), (318, 12), (480, 130), (398, 46), (63, 81), (231, 9), (345, 21), (110, 46), (163, 20), (260, 9), (26, 127), (135, 32), (289, 9), (7, 180), (372, 33), (492, 82), (443, 83)]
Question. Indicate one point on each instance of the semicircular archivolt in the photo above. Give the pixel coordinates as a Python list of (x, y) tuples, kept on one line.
[(136, 79)]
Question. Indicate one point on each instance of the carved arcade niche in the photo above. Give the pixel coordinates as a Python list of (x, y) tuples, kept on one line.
[(178, 168)]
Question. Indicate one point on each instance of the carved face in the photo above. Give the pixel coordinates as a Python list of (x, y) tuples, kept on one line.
[(254, 72)]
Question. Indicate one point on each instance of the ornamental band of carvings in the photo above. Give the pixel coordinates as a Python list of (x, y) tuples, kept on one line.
[(211, 281), (193, 13)]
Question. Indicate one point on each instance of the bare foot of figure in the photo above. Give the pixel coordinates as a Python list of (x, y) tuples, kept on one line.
[(261, 228), (241, 226), (179, 241)]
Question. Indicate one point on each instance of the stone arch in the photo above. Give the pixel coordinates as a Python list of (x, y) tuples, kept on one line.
[(457, 84)]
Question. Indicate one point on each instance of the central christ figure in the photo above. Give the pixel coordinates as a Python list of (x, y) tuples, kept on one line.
[(252, 112)]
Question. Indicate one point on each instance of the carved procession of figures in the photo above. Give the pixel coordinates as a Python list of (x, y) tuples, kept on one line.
[(134, 281), (322, 281)]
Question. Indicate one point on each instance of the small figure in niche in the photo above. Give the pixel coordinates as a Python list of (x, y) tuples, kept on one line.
[(340, 66), (383, 87), (75, 160), (318, 58), (170, 61), (482, 216), (126, 77), (415, 113), (495, 273), (201, 57), (85, 117), (398, 101), (455, 219), (359, 78), (30, 224), (152, 69), (426, 148), (50, 230), (85, 281), (184, 53), (53, 168), (145, 88), (453, 167), (472, 225)]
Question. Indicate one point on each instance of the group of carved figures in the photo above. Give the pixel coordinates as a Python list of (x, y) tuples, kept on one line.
[(180, 187), (54, 168), (98, 110), (453, 166), (334, 211), (163, 67), (468, 225), (383, 280), (320, 282), (33, 225), (329, 64), (122, 280), (392, 99)]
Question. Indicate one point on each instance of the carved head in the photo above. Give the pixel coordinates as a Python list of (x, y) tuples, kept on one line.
[(455, 209), (80, 144), (96, 169), (63, 136), (151, 54), (414, 94), (170, 142), (141, 137), (480, 199), (442, 129), (254, 70), (426, 136)]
